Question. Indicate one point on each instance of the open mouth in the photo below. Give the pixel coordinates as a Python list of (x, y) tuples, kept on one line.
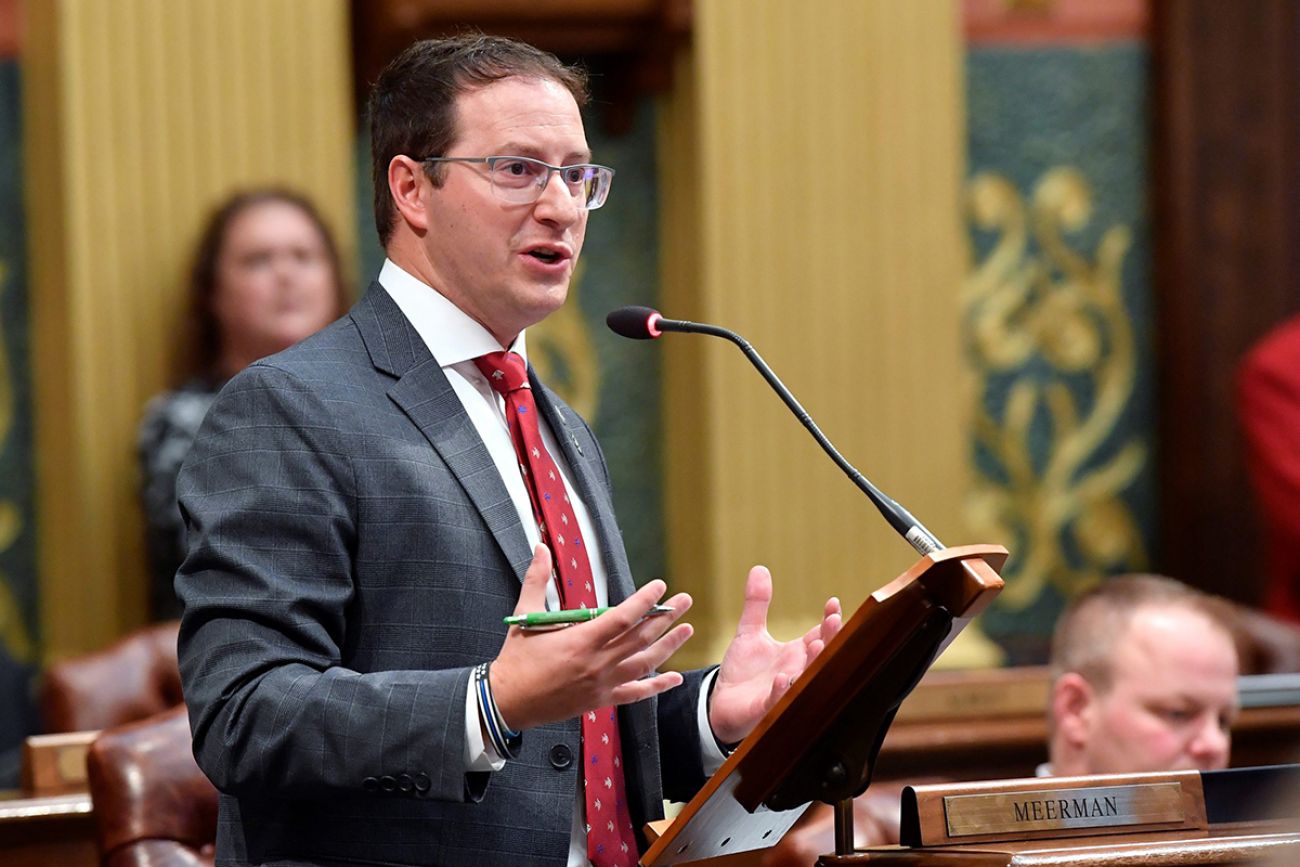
[(550, 257)]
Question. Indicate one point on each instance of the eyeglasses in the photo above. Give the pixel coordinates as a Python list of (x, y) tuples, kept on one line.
[(520, 180)]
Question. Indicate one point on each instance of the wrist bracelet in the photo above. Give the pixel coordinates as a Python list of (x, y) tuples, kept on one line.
[(505, 740), (484, 688)]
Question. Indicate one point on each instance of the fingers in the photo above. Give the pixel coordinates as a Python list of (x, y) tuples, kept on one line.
[(824, 630), (758, 596), (629, 612), (532, 595), (644, 647), (638, 690), (814, 649), (781, 684), (648, 630), (638, 665), (832, 618), (831, 628), (816, 638), (828, 627)]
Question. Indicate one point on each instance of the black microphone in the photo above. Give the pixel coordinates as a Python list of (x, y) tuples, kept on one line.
[(643, 323)]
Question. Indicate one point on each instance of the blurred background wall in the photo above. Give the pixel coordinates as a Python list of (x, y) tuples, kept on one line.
[(138, 118), (1007, 252)]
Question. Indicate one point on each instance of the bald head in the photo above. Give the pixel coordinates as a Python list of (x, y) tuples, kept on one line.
[(1144, 679), (1095, 622)]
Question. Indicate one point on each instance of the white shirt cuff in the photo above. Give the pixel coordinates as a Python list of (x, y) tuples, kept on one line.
[(479, 756), (710, 754)]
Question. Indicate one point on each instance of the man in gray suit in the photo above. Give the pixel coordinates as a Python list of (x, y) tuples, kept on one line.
[(361, 518)]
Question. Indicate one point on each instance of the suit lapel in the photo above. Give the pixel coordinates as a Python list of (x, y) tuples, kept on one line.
[(568, 430), (424, 394)]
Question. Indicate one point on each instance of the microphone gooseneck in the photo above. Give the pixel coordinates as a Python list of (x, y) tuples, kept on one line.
[(643, 323)]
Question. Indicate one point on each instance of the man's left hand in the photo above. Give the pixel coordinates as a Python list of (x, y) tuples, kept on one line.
[(757, 669)]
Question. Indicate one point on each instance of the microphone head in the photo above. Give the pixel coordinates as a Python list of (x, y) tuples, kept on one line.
[(638, 323)]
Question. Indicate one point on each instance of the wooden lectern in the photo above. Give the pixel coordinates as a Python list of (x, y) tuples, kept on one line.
[(819, 743)]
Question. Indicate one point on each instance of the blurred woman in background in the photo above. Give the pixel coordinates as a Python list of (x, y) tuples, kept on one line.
[(265, 275)]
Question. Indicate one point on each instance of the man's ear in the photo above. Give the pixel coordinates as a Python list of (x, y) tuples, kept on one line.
[(1074, 704), (407, 185)]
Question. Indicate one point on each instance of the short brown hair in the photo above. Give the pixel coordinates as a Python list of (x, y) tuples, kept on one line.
[(1087, 631), (412, 108)]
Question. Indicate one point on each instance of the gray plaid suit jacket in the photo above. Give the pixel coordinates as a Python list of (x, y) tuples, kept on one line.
[(352, 552)]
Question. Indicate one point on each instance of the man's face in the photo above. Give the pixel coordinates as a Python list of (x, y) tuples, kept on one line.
[(1172, 698), (508, 265)]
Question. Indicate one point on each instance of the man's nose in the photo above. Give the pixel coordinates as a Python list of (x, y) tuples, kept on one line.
[(1211, 744), (557, 203)]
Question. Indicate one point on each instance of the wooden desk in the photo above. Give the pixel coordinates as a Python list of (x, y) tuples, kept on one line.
[(1269, 845), (990, 725), (39, 832)]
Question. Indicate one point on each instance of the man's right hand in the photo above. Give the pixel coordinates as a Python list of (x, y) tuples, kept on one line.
[(544, 676)]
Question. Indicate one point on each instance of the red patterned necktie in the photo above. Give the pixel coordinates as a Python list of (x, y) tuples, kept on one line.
[(610, 839)]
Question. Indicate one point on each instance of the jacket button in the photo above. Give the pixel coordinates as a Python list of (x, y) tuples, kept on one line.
[(387, 783), (561, 757), (422, 783), (370, 784), (405, 783)]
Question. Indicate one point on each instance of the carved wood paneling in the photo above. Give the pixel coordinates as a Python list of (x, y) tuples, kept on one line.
[(1227, 216), (628, 44)]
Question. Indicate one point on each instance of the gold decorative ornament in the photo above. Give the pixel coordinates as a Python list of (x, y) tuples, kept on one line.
[(1052, 325)]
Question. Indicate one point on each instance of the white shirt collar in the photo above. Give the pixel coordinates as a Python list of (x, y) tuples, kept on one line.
[(449, 332)]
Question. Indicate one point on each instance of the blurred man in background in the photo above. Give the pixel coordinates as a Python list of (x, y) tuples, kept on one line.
[(1144, 678)]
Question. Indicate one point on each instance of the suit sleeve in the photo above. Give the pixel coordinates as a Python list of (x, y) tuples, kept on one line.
[(681, 753), (270, 500)]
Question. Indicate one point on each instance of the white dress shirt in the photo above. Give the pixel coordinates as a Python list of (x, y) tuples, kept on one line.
[(455, 340)]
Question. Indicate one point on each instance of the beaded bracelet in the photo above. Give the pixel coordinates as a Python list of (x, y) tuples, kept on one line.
[(506, 741)]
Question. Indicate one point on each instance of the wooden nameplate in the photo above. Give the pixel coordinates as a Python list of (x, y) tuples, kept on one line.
[(1044, 807)]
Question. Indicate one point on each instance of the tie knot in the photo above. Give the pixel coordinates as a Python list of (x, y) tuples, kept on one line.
[(505, 371)]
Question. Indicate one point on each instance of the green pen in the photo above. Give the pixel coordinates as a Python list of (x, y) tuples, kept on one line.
[(569, 616)]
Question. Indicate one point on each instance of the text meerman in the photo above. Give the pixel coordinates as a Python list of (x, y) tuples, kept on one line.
[(1052, 809)]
